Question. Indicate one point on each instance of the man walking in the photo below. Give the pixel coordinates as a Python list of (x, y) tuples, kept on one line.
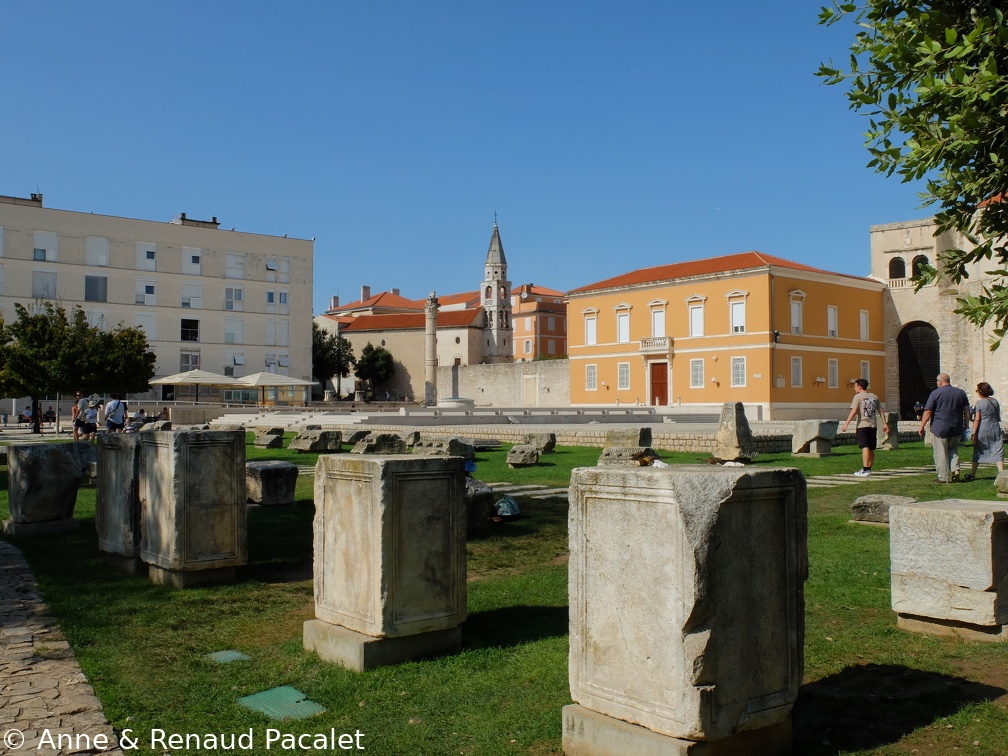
[(865, 407), (948, 411)]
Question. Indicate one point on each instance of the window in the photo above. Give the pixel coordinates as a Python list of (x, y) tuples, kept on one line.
[(283, 270), (282, 308), (192, 295), (233, 298), (145, 321), (796, 372), (271, 361), (797, 299), (96, 251), (271, 269), (832, 373), (192, 264), (46, 246), (146, 256), (551, 324), (283, 333), (918, 264), (696, 373), (623, 326), (234, 331), (897, 268), (864, 325), (591, 377), (738, 372), (145, 292), (696, 316), (233, 362), (95, 288), (623, 376), (528, 323), (738, 317), (590, 337), (44, 284), (189, 359), (550, 346), (658, 323), (190, 330), (271, 331), (234, 265), (283, 360), (527, 347), (831, 320), (866, 370)]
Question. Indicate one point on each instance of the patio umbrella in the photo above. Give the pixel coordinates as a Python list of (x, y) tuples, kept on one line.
[(264, 379), (195, 378)]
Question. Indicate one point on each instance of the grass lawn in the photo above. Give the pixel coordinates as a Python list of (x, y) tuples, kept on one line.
[(869, 687)]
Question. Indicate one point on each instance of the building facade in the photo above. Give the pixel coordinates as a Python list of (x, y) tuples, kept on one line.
[(786, 339), (225, 301), (539, 320)]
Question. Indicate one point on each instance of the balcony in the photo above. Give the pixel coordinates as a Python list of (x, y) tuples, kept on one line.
[(656, 345)]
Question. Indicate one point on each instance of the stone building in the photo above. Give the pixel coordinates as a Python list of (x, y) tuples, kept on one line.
[(922, 334), (229, 302)]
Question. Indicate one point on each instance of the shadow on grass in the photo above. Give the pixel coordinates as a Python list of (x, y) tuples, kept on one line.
[(514, 626), (873, 705)]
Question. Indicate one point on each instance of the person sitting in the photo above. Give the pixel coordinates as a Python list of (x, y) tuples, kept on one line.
[(49, 416), (137, 422), (164, 415)]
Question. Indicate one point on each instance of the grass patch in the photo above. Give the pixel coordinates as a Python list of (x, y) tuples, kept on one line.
[(869, 687)]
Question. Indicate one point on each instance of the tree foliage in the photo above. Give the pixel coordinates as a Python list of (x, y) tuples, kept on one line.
[(375, 365), (932, 77), (332, 355), (46, 352)]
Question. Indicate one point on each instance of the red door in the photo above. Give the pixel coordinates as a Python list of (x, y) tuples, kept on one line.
[(659, 384)]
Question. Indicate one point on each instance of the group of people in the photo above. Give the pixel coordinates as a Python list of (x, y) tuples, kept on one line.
[(117, 420), (951, 417)]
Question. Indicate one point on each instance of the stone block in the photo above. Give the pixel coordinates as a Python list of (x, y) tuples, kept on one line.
[(411, 438), (156, 425), (950, 562), (889, 441), (875, 507), (400, 521), (1001, 484), (270, 482), (686, 594), (357, 436), (269, 438), (360, 652), (43, 480), (544, 441), (814, 438), (192, 497), (117, 497), (380, 443), (322, 441), (733, 440), (86, 455), (625, 456), (628, 436), (522, 455), (449, 446), (479, 499)]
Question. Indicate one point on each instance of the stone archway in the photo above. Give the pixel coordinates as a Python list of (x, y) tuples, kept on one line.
[(919, 364)]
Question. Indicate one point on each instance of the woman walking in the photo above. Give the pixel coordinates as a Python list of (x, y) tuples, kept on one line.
[(987, 444)]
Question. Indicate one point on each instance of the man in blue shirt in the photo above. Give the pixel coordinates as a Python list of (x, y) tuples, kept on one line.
[(948, 411)]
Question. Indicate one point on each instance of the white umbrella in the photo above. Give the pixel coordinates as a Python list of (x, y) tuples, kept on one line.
[(195, 378), (264, 379)]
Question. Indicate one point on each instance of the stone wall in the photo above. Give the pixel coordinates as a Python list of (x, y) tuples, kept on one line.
[(540, 383)]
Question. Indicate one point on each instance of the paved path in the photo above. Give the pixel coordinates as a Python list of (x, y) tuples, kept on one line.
[(42, 688)]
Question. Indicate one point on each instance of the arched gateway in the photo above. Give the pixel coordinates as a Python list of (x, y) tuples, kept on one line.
[(919, 364)]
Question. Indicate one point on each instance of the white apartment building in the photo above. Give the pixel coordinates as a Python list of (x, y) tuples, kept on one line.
[(225, 301)]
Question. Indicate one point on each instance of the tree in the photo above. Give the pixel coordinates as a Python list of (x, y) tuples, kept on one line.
[(375, 365), (332, 355), (932, 77), (45, 352)]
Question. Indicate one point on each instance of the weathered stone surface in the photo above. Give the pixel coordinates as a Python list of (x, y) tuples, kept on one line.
[(625, 456), (939, 599), (117, 498), (814, 437), (156, 425), (1001, 484), (270, 482), (522, 455), (401, 522), (479, 500), (875, 507), (411, 438), (449, 446), (733, 441), (686, 596), (325, 441), (625, 437), (43, 480), (268, 441), (380, 443), (312, 426), (357, 436), (544, 441), (192, 497), (889, 441), (86, 455), (486, 444)]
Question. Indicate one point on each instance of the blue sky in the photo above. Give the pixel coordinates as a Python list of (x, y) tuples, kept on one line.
[(606, 136)]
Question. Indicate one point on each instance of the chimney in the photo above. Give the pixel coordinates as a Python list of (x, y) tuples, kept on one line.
[(396, 292), (334, 303), (365, 293)]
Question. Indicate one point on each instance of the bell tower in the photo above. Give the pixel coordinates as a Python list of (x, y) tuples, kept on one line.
[(496, 297)]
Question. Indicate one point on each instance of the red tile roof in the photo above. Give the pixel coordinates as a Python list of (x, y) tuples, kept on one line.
[(383, 299), (466, 297), (709, 266), (412, 321)]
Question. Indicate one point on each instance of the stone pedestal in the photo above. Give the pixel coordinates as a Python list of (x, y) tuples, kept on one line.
[(686, 607), (733, 440), (814, 438), (43, 480), (400, 521), (270, 482), (117, 500), (950, 567), (192, 496), (888, 441)]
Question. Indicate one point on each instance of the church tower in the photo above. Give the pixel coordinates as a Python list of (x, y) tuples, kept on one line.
[(496, 296)]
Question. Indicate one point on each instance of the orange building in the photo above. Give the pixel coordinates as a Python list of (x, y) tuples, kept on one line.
[(786, 339), (539, 322)]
